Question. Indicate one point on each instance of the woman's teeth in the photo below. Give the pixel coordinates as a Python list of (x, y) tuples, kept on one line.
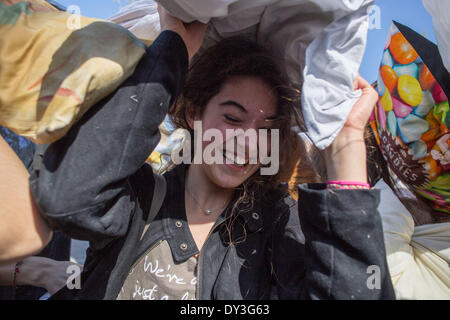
[(237, 162)]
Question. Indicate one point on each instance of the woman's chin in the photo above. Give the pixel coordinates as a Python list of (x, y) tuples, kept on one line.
[(230, 176)]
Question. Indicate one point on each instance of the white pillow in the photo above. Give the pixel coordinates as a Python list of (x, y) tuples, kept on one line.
[(418, 257)]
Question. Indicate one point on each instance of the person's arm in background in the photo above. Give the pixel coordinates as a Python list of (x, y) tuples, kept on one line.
[(22, 230), (37, 271)]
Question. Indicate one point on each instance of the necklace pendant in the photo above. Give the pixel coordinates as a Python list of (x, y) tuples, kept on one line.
[(208, 212)]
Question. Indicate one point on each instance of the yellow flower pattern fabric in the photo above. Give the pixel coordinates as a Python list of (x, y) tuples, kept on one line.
[(51, 74)]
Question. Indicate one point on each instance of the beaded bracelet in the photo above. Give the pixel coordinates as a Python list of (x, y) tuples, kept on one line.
[(347, 185), (16, 271)]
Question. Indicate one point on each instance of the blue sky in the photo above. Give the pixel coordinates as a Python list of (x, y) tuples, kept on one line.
[(408, 12)]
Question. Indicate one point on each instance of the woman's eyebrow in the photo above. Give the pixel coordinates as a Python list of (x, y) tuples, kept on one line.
[(234, 103), (240, 107)]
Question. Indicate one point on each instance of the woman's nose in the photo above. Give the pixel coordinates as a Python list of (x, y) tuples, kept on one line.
[(246, 143)]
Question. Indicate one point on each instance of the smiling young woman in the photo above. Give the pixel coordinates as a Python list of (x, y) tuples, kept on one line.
[(224, 231), (235, 84)]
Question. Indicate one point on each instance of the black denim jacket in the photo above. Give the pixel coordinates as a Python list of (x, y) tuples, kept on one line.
[(94, 185)]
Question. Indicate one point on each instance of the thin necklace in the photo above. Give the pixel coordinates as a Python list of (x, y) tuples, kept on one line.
[(208, 212)]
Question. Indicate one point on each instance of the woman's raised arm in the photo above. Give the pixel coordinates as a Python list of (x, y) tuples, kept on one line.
[(340, 252), (83, 187)]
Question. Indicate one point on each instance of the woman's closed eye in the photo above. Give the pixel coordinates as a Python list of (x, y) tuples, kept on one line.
[(232, 119)]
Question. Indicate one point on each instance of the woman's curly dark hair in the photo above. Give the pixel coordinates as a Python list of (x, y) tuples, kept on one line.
[(239, 56)]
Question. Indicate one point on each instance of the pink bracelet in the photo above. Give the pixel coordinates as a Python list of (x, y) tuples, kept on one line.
[(347, 185)]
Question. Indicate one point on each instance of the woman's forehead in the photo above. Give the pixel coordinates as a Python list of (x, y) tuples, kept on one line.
[(249, 95)]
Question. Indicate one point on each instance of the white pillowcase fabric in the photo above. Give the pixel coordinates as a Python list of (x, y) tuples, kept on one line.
[(140, 18), (418, 257)]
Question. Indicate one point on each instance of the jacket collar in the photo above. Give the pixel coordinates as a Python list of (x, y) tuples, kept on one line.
[(175, 223)]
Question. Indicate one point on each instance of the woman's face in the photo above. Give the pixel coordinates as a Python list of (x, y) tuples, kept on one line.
[(242, 103)]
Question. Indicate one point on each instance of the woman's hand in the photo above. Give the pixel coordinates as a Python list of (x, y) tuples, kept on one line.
[(192, 33), (360, 114), (346, 157)]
